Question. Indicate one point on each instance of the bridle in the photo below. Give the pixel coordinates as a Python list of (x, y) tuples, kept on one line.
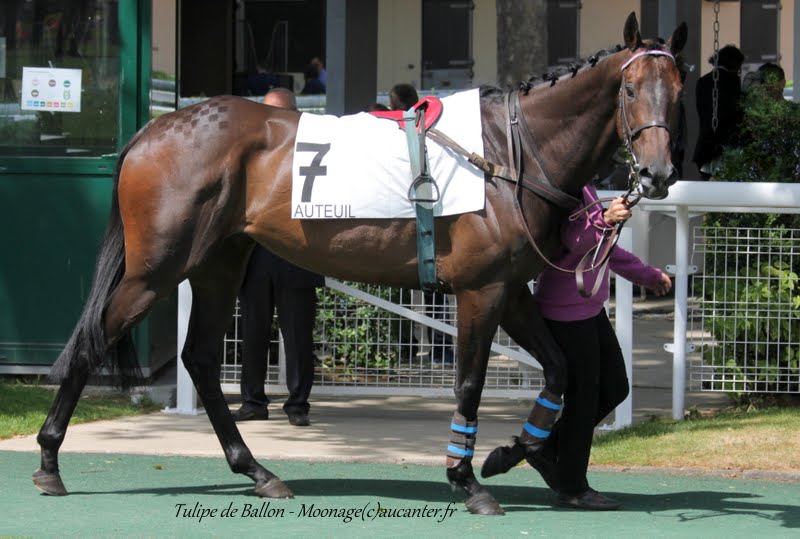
[(629, 133), (542, 186), (610, 236)]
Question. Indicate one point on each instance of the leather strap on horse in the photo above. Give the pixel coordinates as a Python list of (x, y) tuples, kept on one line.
[(544, 188), (422, 194), (515, 116)]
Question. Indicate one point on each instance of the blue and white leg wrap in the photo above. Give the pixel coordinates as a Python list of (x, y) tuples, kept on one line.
[(463, 434), (541, 419)]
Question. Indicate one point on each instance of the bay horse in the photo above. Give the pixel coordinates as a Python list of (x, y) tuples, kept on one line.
[(196, 189)]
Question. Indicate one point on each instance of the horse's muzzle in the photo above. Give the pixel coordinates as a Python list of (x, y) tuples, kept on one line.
[(656, 180)]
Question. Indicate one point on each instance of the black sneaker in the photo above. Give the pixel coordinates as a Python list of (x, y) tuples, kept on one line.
[(250, 413)]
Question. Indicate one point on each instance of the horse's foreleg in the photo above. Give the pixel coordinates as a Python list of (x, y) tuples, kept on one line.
[(478, 317), (524, 323), (214, 290)]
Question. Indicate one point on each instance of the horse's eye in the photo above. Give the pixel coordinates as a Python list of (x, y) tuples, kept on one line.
[(630, 91)]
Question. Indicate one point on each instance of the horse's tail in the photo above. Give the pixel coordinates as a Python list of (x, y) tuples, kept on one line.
[(87, 348)]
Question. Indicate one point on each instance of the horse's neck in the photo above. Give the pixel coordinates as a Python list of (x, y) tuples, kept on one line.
[(574, 123)]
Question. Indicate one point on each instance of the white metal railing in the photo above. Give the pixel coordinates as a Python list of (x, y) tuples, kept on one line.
[(723, 197), (380, 340), (744, 311), (684, 196)]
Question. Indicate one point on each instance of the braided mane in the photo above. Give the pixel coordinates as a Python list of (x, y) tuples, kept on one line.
[(493, 93)]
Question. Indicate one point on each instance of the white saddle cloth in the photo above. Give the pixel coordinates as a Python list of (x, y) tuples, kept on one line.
[(358, 166)]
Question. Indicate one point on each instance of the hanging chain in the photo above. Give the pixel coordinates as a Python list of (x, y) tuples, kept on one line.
[(715, 73)]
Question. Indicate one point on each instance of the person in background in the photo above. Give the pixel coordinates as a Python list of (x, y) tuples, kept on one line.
[(313, 85), (710, 141), (402, 97), (271, 282), (280, 97), (322, 73), (596, 378), (770, 77), (262, 81)]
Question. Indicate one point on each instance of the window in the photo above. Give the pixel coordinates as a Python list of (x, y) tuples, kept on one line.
[(562, 32), (59, 78), (446, 44), (759, 31)]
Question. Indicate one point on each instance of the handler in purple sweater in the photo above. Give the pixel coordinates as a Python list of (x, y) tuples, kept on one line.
[(596, 380)]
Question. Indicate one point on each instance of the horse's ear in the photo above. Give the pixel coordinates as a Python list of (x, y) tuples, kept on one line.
[(632, 37), (678, 39)]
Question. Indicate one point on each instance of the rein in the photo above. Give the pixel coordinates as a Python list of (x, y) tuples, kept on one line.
[(611, 235), (516, 138)]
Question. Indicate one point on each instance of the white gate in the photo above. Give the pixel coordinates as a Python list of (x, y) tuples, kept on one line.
[(387, 341)]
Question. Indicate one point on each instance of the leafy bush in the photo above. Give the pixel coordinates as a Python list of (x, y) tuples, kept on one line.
[(768, 148), (360, 334), (763, 310), (764, 313)]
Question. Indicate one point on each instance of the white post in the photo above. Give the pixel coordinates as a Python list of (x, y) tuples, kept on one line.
[(623, 317), (281, 359), (681, 310), (186, 395)]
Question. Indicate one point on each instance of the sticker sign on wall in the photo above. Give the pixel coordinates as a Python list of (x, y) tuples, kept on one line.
[(47, 88)]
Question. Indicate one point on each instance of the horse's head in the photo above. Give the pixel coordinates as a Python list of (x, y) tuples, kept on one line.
[(648, 106)]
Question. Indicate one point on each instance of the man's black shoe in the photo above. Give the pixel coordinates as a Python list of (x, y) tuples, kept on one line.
[(299, 420), (546, 467), (591, 500), (249, 413)]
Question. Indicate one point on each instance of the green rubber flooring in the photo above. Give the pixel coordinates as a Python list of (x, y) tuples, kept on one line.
[(113, 495)]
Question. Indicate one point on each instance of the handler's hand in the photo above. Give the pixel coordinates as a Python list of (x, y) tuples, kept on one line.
[(664, 285), (617, 212)]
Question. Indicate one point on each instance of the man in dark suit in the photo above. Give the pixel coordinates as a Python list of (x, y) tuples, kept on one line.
[(272, 282), (710, 142)]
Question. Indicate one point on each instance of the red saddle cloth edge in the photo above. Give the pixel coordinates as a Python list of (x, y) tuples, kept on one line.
[(433, 109)]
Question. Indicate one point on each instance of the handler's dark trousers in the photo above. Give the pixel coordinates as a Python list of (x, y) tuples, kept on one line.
[(597, 383)]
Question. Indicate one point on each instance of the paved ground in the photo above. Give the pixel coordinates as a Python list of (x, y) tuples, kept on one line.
[(377, 429), (128, 475), (157, 496)]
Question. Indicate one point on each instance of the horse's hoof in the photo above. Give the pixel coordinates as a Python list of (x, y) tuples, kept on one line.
[(484, 503), (49, 483), (274, 488), (502, 459)]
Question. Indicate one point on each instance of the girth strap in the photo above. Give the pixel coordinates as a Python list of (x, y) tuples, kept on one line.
[(424, 193)]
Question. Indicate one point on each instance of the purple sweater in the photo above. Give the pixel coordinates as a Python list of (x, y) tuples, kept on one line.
[(556, 291)]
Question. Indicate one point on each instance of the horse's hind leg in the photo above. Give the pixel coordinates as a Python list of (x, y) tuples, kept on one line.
[(478, 317), (47, 477), (127, 305), (524, 323), (214, 290)]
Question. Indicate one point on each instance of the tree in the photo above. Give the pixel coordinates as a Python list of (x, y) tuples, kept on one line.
[(521, 39)]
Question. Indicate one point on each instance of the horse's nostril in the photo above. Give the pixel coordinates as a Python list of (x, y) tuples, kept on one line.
[(673, 176), (667, 174)]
